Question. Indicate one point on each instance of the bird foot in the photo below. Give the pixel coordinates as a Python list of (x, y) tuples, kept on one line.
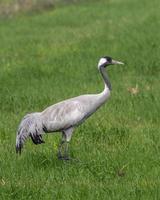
[(66, 158), (60, 157)]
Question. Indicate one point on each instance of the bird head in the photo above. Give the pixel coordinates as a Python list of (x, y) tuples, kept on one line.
[(106, 61)]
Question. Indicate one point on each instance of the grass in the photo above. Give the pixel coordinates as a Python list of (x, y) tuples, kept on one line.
[(10, 8), (52, 56)]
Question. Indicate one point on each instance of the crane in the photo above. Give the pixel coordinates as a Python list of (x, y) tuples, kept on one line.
[(64, 116)]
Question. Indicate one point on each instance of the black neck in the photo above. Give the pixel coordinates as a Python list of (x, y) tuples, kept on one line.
[(105, 77)]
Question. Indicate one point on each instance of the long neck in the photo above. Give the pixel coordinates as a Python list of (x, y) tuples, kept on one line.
[(105, 78), (104, 95), (99, 99)]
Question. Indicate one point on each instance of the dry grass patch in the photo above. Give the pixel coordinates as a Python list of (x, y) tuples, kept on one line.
[(10, 8)]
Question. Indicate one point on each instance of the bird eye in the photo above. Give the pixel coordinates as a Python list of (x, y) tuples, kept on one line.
[(109, 59)]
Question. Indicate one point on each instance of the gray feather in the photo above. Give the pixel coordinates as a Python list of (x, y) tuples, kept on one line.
[(30, 125)]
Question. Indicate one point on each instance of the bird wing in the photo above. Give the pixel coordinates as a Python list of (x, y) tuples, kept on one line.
[(63, 115)]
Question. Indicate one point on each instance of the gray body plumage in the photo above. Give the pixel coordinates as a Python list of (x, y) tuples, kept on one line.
[(63, 116), (71, 112)]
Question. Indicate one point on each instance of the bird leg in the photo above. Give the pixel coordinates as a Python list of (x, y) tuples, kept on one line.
[(60, 149), (63, 155), (66, 137), (66, 152)]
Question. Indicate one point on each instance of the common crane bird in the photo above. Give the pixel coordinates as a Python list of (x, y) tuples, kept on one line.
[(65, 115)]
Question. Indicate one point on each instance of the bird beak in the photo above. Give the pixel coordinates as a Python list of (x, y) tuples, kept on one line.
[(115, 62)]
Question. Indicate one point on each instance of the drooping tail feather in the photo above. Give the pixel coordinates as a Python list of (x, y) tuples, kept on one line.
[(31, 125)]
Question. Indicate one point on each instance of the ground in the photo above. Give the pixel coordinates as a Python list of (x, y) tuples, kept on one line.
[(51, 56)]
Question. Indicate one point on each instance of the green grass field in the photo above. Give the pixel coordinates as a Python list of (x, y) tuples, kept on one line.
[(48, 57)]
